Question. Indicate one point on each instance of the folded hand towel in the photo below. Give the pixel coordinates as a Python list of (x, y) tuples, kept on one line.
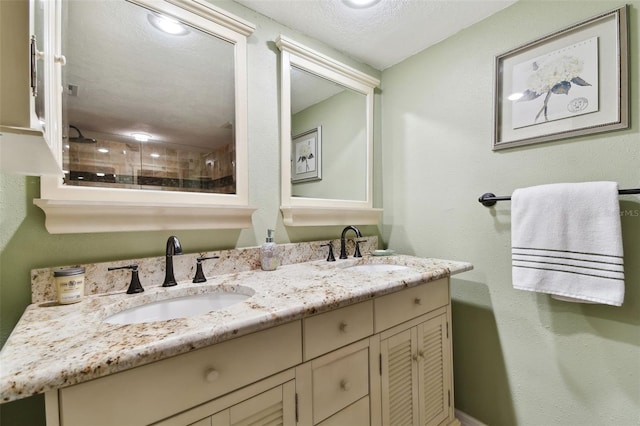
[(566, 240)]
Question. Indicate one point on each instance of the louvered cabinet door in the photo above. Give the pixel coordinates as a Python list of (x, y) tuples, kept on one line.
[(433, 371), (271, 408), (399, 379)]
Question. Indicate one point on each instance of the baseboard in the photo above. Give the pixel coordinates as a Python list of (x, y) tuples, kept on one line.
[(467, 420)]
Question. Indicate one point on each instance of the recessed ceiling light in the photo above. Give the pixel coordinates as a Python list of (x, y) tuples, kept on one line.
[(141, 137), (360, 4), (167, 25)]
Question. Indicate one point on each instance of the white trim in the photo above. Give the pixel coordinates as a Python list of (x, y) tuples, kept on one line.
[(467, 420), (65, 217), (327, 216)]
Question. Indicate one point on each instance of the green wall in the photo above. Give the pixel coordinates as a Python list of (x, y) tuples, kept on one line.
[(344, 146), (519, 357), (25, 244)]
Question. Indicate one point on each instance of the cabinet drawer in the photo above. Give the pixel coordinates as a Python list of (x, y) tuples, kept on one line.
[(395, 308), (339, 384), (155, 391), (331, 330)]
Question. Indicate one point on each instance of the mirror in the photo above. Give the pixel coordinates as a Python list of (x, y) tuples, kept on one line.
[(340, 144), (129, 119), (327, 140), (150, 126)]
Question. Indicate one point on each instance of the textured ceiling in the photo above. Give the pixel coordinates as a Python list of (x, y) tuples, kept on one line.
[(382, 35)]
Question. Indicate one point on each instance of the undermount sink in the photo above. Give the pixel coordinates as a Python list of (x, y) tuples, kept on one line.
[(376, 267), (177, 307)]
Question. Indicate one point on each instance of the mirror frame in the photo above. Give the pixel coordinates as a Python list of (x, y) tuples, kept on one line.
[(304, 211), (77, 209)]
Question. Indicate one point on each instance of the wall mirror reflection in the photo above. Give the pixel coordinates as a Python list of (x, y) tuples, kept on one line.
[(330, 121), (151, 106), (150, 126)]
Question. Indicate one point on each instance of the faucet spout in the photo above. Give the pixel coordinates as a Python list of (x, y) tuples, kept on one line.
[(173, 248), (343, 242)]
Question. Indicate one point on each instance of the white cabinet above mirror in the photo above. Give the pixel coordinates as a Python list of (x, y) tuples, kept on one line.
[(327, 140), (152, 127)]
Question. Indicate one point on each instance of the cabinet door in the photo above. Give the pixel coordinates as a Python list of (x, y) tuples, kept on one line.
[(433, 371), (416, 379), (274, 407), (399, 379)]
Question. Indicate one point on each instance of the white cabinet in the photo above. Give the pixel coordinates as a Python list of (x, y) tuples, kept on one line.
[(24, 148), (385, 361), (416, 372), (161, 389), (415, 378)]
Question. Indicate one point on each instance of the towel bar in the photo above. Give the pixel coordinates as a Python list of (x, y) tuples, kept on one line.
[(488, 199)]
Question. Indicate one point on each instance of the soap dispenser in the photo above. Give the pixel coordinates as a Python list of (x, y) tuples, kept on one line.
[(269, 258)]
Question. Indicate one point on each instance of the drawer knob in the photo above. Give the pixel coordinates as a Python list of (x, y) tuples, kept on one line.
[(345, 385), (212, 375), (417, 301), (343, 327)]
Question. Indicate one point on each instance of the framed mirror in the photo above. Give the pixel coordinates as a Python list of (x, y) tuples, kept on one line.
[(153, 117), (327, 140)]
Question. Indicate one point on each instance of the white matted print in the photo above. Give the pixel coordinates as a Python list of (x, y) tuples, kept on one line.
[(306, 158), (560, 84)]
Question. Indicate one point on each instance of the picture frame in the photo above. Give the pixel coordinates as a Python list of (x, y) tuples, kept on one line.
[(306, 156), (533, 105)]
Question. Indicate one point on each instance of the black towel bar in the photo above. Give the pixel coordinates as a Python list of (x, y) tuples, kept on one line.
[(490, 199)]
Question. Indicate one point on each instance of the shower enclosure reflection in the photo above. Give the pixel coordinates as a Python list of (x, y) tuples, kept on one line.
[(148, 106)]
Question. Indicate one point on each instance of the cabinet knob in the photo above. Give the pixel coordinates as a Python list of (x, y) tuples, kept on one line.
[(212, 375), (343, 327), (61, 59), (417, 301), (345, 385)]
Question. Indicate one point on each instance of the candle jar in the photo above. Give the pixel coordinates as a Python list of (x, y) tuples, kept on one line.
[(70, 285)]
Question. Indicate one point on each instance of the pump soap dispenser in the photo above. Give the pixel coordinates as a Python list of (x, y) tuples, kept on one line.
[(269, 258)]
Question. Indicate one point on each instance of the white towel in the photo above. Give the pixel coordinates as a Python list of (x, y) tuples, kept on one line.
[(566, 240)]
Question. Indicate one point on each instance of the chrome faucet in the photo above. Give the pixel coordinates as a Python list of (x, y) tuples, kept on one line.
[(343, 243), (173, 248)]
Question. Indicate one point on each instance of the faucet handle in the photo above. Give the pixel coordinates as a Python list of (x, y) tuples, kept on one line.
[(199, 277), (357, 252), (134, 285), (330, 257)]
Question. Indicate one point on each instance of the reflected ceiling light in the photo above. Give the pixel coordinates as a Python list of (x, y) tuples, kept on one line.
[(515, 96), (141, 137), (103, 150), (155, 155), (167, 25), (360, 4)]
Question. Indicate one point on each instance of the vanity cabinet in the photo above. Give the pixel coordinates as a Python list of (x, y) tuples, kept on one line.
[(385, 361)]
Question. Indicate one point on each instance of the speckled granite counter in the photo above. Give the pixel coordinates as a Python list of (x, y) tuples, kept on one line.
[(54, 346)]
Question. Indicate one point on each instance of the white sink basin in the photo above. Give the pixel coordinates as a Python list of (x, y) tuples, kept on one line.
[(376, 267), (178, 307)]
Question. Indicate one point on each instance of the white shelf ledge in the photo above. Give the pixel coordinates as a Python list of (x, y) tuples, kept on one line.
[(329, 216), (64, 216)]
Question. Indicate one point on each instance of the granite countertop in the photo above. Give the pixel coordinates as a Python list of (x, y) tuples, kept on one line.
[(54, 346)]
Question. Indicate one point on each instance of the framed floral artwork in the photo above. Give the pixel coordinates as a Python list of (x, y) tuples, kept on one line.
[(573, 82), (306, 156)]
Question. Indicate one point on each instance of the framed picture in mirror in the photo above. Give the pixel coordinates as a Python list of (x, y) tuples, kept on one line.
[(306, 156)]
